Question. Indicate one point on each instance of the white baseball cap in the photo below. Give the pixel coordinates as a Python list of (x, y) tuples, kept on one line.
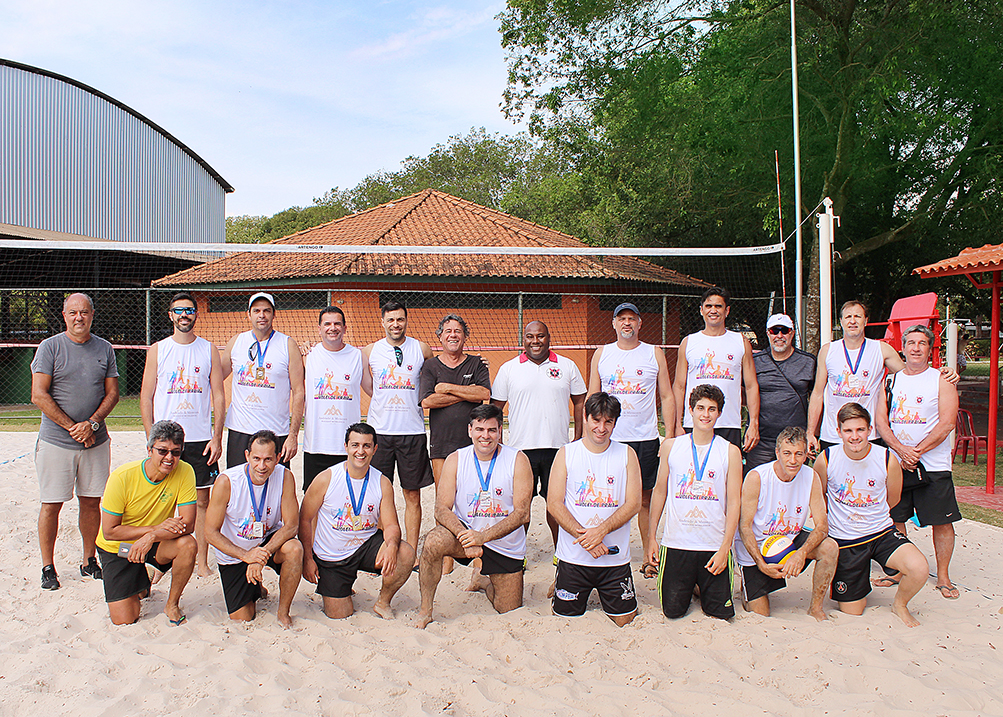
[(779, 320), (260, 295)]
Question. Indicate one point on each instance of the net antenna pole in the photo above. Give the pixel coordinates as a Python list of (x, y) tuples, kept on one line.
[(799, 273), (780, 217)]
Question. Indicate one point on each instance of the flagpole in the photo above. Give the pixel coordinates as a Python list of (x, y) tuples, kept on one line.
[(799, 269)]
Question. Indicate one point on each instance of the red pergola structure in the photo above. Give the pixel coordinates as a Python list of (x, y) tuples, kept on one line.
[(985, 262)]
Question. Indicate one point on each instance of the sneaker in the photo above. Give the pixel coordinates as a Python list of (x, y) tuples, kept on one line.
[(50, 581), (92, 569)]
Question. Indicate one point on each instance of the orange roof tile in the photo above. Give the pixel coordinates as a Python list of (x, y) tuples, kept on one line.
[(973, 260), (430, 218)]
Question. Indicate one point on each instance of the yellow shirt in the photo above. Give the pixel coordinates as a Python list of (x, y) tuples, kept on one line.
[(140, 501)]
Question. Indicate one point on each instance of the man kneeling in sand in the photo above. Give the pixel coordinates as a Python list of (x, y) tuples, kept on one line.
[(482, 507), (138, 526), (777, 498), (340, 528), (862, 482), (251, 522)]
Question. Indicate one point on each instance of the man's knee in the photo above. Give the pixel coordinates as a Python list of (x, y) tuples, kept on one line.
[(438, 542), (645, 503), (244, 614), (202, 496), (913, 562), (827, 552), (412, 497)]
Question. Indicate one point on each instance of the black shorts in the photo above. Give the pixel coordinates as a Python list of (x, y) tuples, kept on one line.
[(756, 583), (123, 579), (409, 454), (732, 435), (853, 571), (205, 474), (237, 592), (679, 571), (762, 452), (647, 458), (336, 577), (575, 583), (933, 504), (237, 443), (540, 461), (316, 463), (494, 563)]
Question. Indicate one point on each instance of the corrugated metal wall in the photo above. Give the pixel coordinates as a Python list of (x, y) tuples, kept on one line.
[(71, 161)]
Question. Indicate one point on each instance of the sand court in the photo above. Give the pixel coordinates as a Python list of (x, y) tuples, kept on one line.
[(61, 654)]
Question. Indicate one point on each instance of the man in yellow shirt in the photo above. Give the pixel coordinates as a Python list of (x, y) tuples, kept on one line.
[(138, 526)]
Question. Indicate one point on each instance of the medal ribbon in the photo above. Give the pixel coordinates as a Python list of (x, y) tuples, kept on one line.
[(860, 354), (260, 353), (698, 467), (258, 508), (357, 507), (485, 482)]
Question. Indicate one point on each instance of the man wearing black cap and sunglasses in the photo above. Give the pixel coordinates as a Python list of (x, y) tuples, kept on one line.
[(786, 376), (267, 390)]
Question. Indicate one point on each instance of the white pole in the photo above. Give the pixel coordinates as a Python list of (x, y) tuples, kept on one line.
[(798, 266), (952, 353), (825, 239)]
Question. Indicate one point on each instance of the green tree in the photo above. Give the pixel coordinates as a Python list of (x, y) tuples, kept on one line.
[(680, 105)]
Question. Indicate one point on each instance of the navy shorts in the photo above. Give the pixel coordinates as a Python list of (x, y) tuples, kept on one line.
[(933, 504), (575, 583), (647, 459), (853, 571)]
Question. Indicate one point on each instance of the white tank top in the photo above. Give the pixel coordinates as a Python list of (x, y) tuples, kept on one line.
[(856, 379), (782, 509), (240, 510), (695, 507), (333, 397), (394, 410), (596, 488), (341, 530), (631, 376), (479, 508), (915, 412), (716, 360), (259, 389), (183, 393), (857, 493)]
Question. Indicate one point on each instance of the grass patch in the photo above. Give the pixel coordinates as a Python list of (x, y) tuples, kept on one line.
[(969, 474), (124, 417), (978, 368)]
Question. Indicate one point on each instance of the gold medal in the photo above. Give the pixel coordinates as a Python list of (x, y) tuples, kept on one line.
[(259, 373)]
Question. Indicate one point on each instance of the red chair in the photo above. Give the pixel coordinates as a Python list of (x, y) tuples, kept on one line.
[(965, 436)]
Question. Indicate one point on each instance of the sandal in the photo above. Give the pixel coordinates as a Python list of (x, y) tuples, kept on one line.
[(884, 582), (649, 571), (948, 591)]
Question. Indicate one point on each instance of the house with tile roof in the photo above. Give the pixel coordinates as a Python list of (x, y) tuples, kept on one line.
[(496, 293)]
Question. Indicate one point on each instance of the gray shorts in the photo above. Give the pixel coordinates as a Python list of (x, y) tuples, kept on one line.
[(59, 469)]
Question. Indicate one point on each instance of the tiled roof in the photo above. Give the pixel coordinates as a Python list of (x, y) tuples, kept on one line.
[(428, 218), (976, 259)]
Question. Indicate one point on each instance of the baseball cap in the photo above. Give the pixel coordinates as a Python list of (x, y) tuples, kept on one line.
[(779, 320), (261, 295), (626, 306)]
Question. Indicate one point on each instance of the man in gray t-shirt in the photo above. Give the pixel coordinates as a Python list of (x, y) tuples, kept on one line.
[(74, 382)]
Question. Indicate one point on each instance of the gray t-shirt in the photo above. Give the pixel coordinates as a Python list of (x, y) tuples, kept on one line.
[(78, 372), (784, 389)]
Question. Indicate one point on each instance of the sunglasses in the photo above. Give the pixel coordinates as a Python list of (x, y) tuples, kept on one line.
[(163, 452), (183, 310), (779, 330), (399, 355)]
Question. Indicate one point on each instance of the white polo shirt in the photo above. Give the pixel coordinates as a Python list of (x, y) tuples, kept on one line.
[(538, 395)]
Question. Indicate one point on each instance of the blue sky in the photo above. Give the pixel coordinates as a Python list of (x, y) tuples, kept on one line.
[(284, 99)]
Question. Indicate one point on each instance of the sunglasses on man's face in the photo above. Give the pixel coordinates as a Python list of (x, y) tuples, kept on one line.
[(779, 330), (183, 311), (163, 452)]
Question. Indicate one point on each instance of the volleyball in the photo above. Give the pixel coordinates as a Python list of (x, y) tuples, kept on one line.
[(776, 548)]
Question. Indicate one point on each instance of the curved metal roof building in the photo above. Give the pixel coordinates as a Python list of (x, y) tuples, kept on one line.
[(75, 162)]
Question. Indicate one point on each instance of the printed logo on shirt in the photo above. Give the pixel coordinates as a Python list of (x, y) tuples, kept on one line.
[(901, 412), (616, 384), (780, 524), (708, 368), (689, 488), (327, 388), (180, 384), (186, 406), (590, 495), (554, 372), (390, 380), (484, 505), (846, 385), (248, 375), (334, 411), (345, 519), (846, 494), (252, 398)]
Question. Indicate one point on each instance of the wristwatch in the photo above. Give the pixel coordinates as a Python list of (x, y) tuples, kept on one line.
[(95, 426)]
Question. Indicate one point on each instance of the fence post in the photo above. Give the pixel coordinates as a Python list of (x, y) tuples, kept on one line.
[(518, 329), (148, 317), (665, 316)]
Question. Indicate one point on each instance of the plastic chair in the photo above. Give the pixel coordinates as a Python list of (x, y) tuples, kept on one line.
[(965, 437)]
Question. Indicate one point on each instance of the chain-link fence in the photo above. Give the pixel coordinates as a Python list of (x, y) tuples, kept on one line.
[(132, 319)]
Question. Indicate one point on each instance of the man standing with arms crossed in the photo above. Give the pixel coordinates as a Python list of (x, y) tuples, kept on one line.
[(395, 365), (596, 490), (785, 375), (633, 372), (183, 382), (335, 378), (923, 413), (74, 382), (267, 387), (538, 384)]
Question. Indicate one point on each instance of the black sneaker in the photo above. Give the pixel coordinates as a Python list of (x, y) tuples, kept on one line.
[(92, 569), (50, 581)]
